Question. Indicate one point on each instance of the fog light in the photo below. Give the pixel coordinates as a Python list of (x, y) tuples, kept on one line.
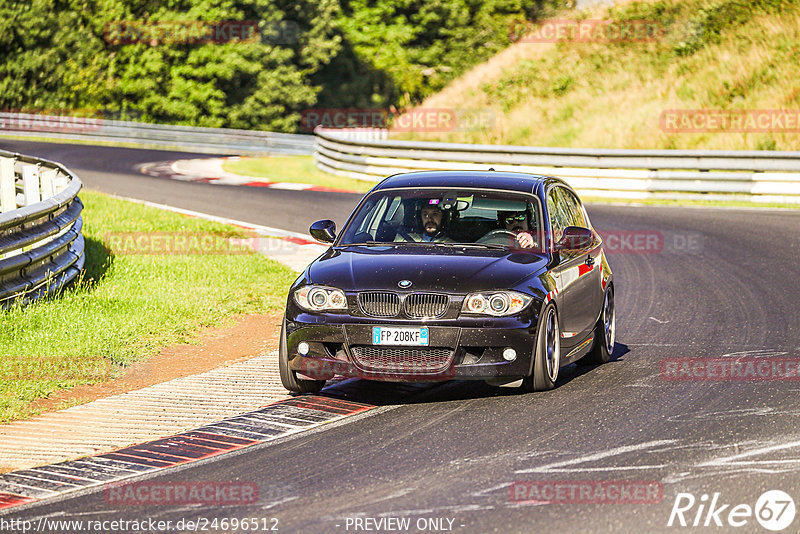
[(510, 354), (303, 348)]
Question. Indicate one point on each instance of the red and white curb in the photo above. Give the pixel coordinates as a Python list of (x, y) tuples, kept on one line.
[(285, 417), (211, 171)]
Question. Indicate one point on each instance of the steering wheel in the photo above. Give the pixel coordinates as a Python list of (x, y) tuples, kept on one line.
[(497, 233), (494, 234)]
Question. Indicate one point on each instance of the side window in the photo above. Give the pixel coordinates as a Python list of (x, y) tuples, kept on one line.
[(559, 216), (576, 213), (373, 216)]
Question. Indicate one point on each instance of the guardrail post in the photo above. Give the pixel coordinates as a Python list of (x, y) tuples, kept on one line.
[(8, 192), (31, 187), (48, 186)]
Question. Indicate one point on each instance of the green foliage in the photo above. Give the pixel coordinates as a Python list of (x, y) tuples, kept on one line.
[(64, 56), (420, 45)]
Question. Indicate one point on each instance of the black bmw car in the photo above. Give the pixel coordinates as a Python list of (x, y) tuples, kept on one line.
[(452, 275)]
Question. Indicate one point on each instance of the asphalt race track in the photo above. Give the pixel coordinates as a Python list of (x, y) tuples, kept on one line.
[(719, 283), (114, 170)]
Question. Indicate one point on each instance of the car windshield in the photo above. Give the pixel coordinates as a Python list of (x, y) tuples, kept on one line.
[(491, 219)]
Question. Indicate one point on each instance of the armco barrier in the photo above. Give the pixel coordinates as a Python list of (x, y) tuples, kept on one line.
[(41, 246), (758, 176), (205, 140)]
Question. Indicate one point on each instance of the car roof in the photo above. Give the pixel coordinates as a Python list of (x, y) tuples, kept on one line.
[(510, 181)]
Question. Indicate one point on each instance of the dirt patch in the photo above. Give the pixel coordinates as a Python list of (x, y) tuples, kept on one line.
[(250, 336)]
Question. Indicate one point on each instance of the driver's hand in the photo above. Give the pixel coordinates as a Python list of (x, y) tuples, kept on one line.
[(525, 239)]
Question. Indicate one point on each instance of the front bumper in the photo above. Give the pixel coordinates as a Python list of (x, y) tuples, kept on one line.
[(462, 349)]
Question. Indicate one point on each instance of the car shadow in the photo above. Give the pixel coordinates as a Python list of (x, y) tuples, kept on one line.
[(379, 393)]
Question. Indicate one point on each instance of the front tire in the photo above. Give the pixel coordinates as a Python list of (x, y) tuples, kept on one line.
[(288, 377), (547, 356), (604, 333)]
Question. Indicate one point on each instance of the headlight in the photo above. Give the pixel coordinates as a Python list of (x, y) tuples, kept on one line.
[(497, 303), (318, 298)]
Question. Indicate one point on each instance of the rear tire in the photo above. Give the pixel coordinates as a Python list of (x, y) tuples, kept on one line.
[(604, 333), (288, 377), (547, 356)]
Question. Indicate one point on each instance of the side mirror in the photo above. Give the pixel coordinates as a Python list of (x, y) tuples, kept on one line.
[(575, 238), (323, 231)]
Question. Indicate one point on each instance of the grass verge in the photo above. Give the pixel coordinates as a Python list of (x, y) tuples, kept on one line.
[(294, 169), (127, 306)]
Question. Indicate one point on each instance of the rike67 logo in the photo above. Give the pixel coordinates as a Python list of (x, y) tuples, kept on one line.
[(774, 510)]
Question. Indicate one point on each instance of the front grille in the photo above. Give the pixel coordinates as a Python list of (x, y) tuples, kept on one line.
[(426, 305), (413, 361), (379, 303)]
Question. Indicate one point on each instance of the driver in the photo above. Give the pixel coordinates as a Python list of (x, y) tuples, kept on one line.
[(432, 221), (518, 222)]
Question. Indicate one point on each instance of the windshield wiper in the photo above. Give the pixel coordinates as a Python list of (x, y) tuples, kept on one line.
[(424, 243), (481, 245), (373, 244)]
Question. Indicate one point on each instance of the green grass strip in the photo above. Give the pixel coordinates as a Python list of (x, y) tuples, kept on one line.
[(127, 306)]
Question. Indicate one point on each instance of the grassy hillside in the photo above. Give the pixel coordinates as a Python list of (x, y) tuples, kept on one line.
[(717, 55)]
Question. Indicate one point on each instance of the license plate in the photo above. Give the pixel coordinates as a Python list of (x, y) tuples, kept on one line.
[(387, 335)]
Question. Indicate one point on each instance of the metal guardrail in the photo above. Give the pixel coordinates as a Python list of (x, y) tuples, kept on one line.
[(41, 246), (758, 176), (195, 139)]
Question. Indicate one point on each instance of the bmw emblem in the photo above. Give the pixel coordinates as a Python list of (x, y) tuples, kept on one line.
[(404, 283)]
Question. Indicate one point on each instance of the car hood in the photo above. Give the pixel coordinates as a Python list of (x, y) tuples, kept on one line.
[(450, 269)]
